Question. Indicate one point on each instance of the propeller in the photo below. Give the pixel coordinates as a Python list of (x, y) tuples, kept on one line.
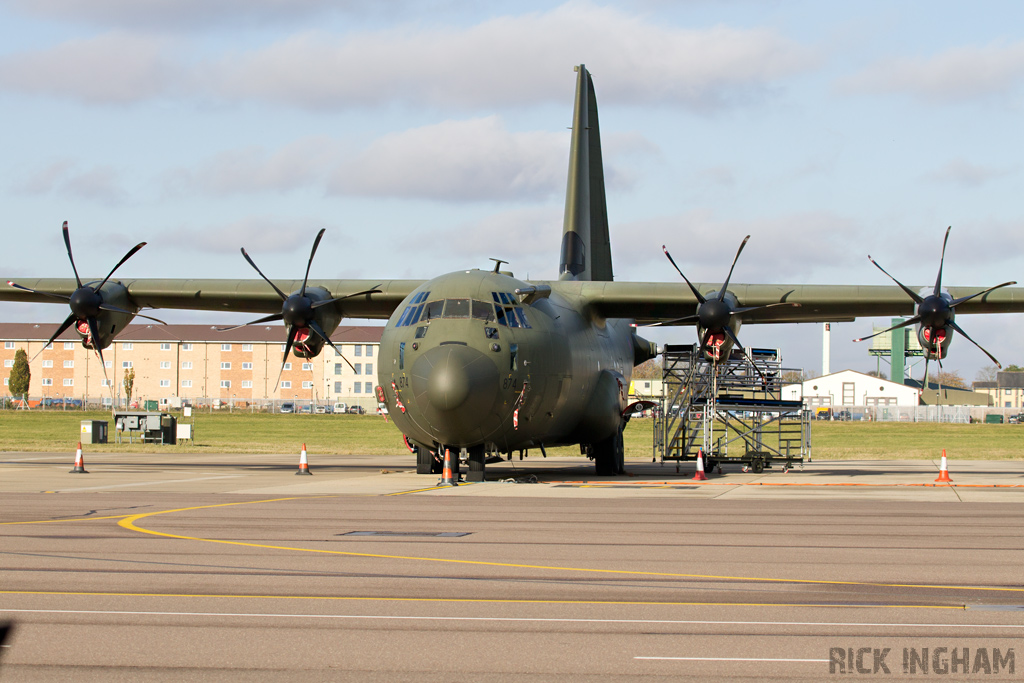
[(86, 302), (715, 315), (935, 312), (298, 310)]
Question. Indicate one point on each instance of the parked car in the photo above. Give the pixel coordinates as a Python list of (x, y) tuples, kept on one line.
[(287, 407), (320, 410), (340, 408), (356, 410)]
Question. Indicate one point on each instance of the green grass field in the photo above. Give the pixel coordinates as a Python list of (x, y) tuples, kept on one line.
[(222, 432)]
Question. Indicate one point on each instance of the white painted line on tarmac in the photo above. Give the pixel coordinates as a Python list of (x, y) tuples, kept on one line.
[(733, 659), (692, 622), (150, 483)]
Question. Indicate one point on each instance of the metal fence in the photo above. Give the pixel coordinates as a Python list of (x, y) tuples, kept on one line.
[(951, 414), (368, 405)]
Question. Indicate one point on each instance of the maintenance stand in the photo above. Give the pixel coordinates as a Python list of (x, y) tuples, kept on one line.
[(732, 410)]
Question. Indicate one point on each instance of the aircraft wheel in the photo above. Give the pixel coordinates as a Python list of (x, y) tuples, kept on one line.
[(426, 463), (609, 456)]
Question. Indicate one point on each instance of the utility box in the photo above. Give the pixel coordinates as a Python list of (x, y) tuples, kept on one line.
[(94, 431), (151, 427)]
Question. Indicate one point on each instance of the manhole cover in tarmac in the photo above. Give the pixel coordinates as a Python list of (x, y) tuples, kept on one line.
[(430, 534)]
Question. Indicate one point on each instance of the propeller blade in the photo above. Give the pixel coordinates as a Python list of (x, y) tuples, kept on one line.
[(938, 278), (36, 291), (318, 304), (131, 252), (315, 326), (68, 322), (725, 286), (732, 335), (700, 297), (925, 384), (910, 321), (913, 295), (747, 309), (67, 243), (312, 253), (292, 331), (684, 319), (962, 299), (109, 307), (268, 319), (968, 338), (256, 268)]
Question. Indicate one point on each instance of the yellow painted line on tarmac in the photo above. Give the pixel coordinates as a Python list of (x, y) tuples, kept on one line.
[(354, 598), (429, 488), (58, 521), (129, 523)]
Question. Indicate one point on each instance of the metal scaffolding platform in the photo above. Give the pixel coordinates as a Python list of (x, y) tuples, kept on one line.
[(731, 410)]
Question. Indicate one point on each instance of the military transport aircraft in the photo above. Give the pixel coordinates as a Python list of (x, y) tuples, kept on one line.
[(482, 362)]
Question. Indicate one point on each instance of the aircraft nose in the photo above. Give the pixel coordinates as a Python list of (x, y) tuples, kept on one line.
[(456, 387)]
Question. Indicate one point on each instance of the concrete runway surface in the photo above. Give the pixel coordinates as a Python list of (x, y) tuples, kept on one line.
[(230, 568)]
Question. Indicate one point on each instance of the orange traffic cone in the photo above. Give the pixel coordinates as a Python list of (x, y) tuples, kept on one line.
[(446, 474), (303, 463), (944, 470), (700, 476), (79, 462)]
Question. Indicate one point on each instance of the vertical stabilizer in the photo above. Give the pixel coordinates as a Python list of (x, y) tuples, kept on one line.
[(586, 250)]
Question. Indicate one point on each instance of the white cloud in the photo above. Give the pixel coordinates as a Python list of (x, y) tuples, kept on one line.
[(508, 60), (111, 68), (99, 183), (458, 160), (962, 172), (261, 236), (961, 73)]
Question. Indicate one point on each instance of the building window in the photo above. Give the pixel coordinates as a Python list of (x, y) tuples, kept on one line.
[(337, 387), (69, 363), (8, 345), (69, 346), (9, 363), (68, 382), (104, 382), (165, 382), (7, 380), (247, 347), (108, 363), (285, 384), (368, 387), (186, 347), (358, 350), (225, 366), (337, 352), (1008, 392), (46, 363), (186, 365), (357, 388), (247, 384), (225, 384), (306, 367), (337, 368), (126, 364), (225, 347), (186, 383), (369, 368), (47, 382), (165, 347), (165, 365), (48, 347), (307, 385), (358, 367), (283, 347), (247, 366), (126, 346), (287, 366), (369, 351)]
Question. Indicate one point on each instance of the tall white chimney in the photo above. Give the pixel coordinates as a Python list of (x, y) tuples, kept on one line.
[(825, 368)]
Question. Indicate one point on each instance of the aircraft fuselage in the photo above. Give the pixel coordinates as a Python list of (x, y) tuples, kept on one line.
[(467, 363)]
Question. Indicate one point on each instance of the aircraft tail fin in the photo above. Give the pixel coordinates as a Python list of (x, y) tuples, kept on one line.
[(586, 249)]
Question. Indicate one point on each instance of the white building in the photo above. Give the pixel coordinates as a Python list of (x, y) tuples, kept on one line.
[(850, 388)]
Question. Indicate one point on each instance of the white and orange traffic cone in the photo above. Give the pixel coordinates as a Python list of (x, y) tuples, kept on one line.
[(303, 462), (79, 461), (700, 476), (944, 470), (446, 474)]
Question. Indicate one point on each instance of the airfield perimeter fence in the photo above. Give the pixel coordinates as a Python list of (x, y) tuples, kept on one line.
[(950, 414), (203, 404)]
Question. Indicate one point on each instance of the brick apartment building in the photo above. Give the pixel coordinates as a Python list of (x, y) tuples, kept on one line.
[(196, 363)]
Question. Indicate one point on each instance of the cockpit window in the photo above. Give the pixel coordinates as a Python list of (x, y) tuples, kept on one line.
[(433, 310), (483, 311), (456, 308)]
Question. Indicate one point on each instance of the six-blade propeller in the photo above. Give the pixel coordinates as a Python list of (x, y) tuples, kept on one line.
[(298, 310)]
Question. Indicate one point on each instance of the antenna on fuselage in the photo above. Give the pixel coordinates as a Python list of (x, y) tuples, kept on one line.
[(497, 263)]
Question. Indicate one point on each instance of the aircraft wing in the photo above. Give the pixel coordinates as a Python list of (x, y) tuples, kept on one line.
[(649, 302), (253, 296)]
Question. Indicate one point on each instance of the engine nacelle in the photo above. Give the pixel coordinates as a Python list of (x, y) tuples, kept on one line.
[(309, 344), (717, 344), (934, 341), (109, 324)]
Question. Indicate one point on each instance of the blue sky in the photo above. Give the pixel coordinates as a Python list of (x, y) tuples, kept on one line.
[(429, 136)]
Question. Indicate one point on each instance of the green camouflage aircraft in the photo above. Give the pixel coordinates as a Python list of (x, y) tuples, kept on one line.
[(481, 361)]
